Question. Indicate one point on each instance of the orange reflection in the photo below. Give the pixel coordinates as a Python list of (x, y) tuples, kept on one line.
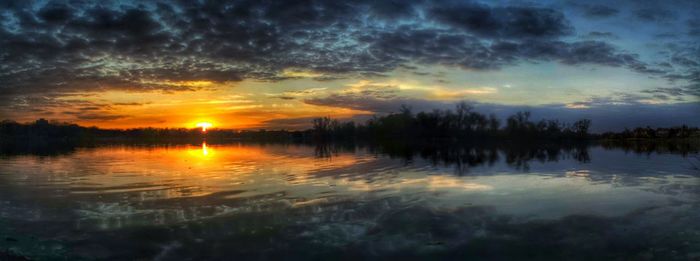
[(190, 171), (202, 153)]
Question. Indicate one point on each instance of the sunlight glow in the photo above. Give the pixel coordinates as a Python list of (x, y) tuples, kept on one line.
[(204, 126), (577, 106)]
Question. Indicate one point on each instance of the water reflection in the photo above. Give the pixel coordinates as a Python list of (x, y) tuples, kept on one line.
[(466, 156), (205, 152), (364, 201)]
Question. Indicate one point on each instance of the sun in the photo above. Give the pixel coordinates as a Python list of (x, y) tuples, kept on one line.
[(204, 125)]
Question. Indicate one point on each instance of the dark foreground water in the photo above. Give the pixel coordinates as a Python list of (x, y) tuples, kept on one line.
[(197, 202)]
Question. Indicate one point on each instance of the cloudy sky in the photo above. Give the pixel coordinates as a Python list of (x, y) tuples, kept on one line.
[(275, 64)]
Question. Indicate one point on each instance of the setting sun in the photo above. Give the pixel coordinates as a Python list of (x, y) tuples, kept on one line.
[(204, 126)]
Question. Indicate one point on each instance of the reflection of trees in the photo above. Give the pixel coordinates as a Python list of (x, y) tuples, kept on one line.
[(462, 156), (683, 147), (466, 156), (329, 150), (519, 155), (325, 151), (39, 148)]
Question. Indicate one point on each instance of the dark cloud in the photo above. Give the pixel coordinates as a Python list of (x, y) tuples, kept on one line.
[(90, 108), (304, 123), (81, 47), (374, 98), (55, 13), (503, 22), (128, 104), (666, 36), (599, 11), (601, 35), (654, 14), (49, 102), (56, 105), (694, 27), (684, 61), (583, 52), (675, 92), (429, 46), (618, 98), (92, 116)]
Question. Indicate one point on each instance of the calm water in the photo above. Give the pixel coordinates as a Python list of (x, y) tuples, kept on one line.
[(300, 202)]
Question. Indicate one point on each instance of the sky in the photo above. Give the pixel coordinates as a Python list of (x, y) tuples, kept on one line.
[(277, 64)]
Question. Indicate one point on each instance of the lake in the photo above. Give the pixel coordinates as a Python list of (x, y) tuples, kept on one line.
[(284, 201)]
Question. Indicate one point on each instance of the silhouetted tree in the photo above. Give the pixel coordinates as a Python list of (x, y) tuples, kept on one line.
[(461, 124), (581, 127)]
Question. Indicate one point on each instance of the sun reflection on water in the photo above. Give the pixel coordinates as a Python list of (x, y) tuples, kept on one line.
[(203, 152)]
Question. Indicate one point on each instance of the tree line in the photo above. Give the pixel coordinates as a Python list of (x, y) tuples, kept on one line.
[(464, 123), (461, 124)]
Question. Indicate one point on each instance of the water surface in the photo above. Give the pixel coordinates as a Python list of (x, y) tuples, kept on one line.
[(297, 201)]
